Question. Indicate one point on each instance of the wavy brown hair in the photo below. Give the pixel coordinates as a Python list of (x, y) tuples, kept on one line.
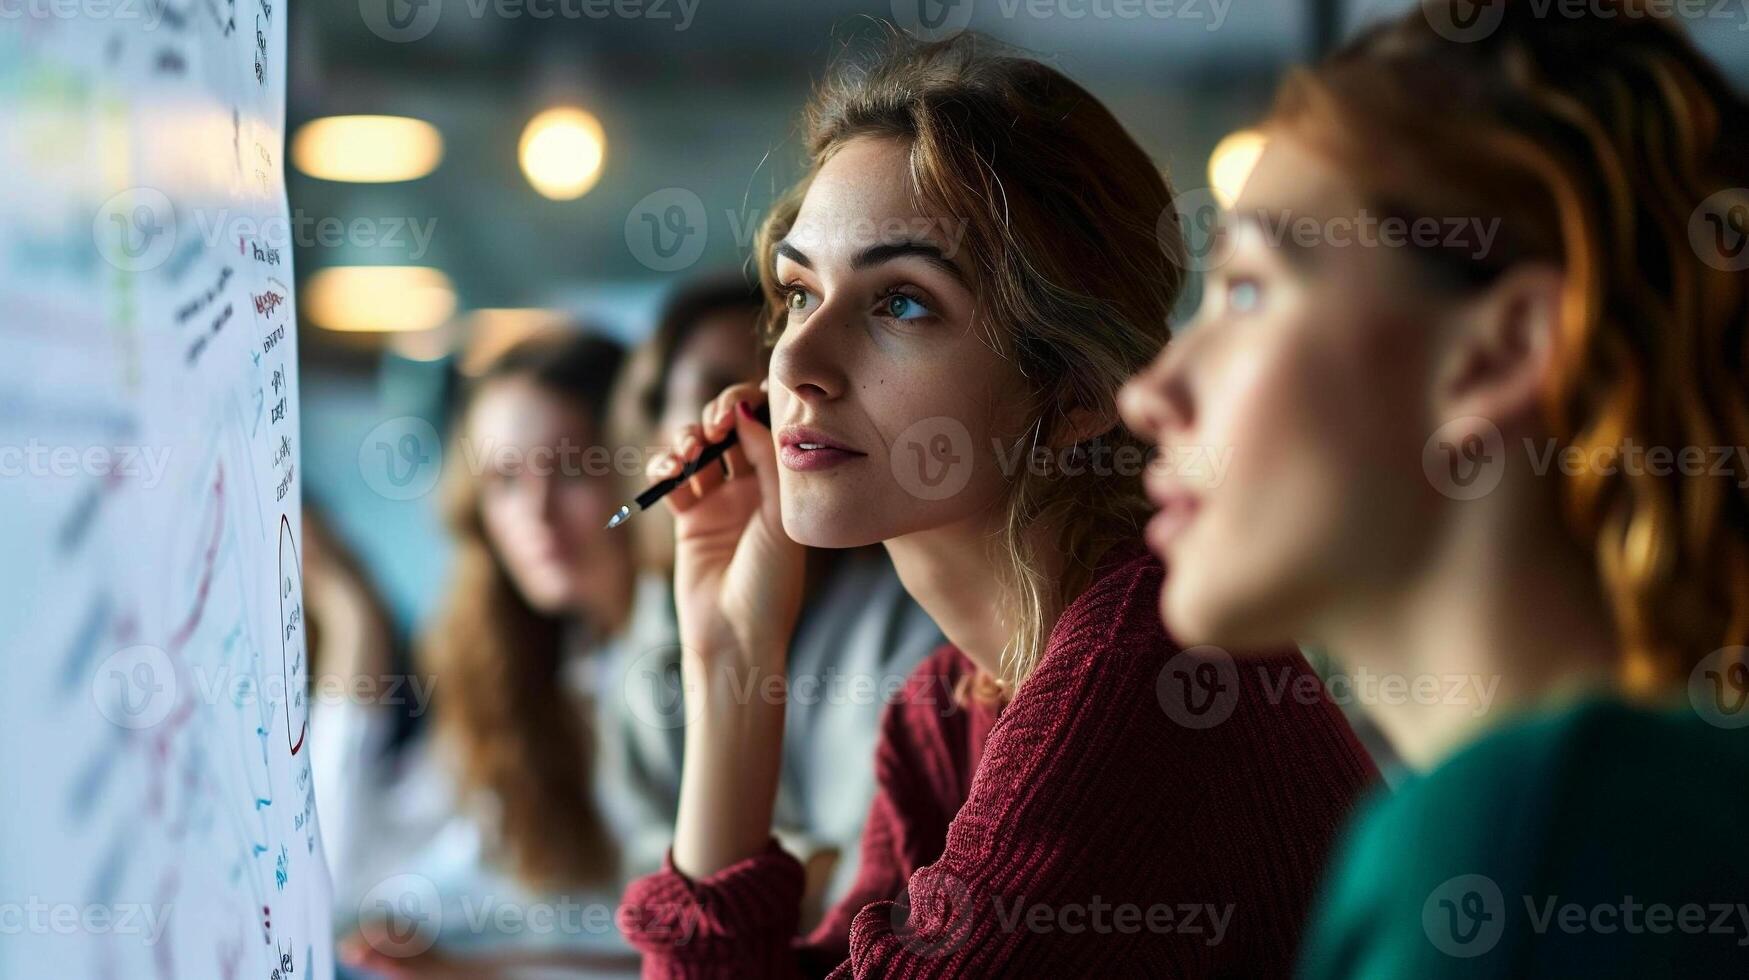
[(506, 713), (1606, 145), (1075, 258)]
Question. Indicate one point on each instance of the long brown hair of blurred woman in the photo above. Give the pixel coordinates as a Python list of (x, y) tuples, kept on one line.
[(505, 711)]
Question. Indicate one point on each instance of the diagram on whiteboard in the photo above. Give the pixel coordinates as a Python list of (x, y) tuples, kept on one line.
[(159, 819)]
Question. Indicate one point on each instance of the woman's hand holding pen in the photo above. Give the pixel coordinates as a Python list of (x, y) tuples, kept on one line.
[(737, 591), (737, 576)]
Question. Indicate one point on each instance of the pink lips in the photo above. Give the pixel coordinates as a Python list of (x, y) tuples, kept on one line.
[(1177, 510), (803, 448)]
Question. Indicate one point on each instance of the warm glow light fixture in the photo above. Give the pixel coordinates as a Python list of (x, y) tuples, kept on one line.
[(378, 298), (561, 151), (1231, 164), (367, 149)]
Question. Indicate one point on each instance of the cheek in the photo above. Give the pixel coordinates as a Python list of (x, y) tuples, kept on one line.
[(1269, 460), (927, 424), (584, 507), (940, 422), (498, 516)]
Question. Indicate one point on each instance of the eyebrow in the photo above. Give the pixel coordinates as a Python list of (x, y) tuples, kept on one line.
[(878, 254), (1272, 225)]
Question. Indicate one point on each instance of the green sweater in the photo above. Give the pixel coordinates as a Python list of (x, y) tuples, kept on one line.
[(1596, 840)]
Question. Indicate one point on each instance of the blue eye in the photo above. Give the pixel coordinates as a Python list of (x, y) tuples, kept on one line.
[(1244, 296), (902, 307)]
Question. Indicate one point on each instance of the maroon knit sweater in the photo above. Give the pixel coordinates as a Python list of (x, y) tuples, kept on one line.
[(1093, 826)]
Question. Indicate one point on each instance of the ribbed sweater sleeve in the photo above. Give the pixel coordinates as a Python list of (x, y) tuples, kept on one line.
[(1105, 831)]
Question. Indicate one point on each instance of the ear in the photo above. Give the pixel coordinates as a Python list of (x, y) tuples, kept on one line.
[(1501, 348)]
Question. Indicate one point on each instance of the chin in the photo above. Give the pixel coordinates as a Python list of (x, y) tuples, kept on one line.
[(1194, 617), (816, 530), (1185, 618), (548, 595), (1195, 614), (821, 518)]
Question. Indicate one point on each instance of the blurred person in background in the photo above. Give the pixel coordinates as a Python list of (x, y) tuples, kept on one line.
[(859, 637), (501, 805), (1386, 409)]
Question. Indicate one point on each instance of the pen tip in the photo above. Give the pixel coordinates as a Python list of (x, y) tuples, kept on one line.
[(620, 516)]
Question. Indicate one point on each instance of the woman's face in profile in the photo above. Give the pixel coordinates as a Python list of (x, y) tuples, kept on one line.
[(1291, 418), (886, 398), (542, 497)]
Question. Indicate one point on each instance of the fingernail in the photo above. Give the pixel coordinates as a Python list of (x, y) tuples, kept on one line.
[(745, 410)]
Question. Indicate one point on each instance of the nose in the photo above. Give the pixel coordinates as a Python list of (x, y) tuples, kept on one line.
[(1157, 400), (545, 497), (810, 359)]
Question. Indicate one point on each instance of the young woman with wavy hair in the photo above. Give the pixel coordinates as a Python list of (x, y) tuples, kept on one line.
[(1495, 455), (502, 804), (535, 583), (969, 269)]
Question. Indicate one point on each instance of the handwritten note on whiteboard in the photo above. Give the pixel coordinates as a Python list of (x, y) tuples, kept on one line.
[(157, 818)]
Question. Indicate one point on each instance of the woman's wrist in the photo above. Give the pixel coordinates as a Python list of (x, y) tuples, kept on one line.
[(734, 748)]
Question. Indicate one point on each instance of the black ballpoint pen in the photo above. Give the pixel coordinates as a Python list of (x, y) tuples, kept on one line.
[(711, 454)]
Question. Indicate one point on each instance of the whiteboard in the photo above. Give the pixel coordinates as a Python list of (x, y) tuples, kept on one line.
[(158, 816)]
